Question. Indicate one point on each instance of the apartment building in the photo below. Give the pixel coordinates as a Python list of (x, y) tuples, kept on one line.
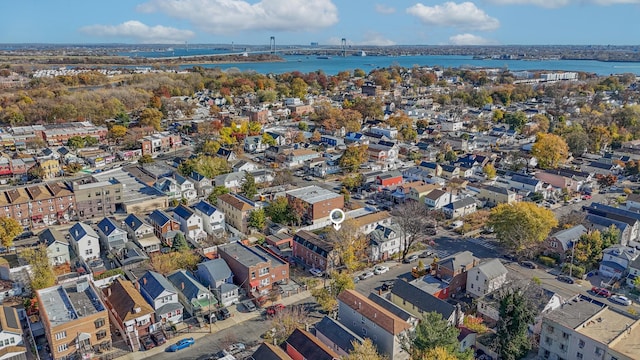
[(236, 209), (96, 198), (317, 202), (315, 252), (76, 321), (38, 206)]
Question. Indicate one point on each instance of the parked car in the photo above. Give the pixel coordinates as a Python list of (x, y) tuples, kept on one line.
[(387, 286), (316, 272), (249, 305), (182, 344), (510, 257), (586, 197), (620, 299), (529, 264), (308, 178), (366, 275), (223, 314), (210, 318), (158, 338), (147, 343), (380, 269), (600, 291), (410, 259), (565, 279), (236, 348), (275, 309), (426, 254)]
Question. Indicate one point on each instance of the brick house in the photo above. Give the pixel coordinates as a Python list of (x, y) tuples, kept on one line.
[(314, 252), (389, 179), (132, 313), (453, 270), (318, 202), (164, 227), (561, 241)]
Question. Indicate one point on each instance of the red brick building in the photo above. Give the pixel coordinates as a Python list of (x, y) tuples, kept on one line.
[(453, 270), (38, 206), (389, 179), (317, 202), (314, 252)]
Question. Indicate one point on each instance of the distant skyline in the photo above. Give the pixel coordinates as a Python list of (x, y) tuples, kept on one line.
[(360, 22)]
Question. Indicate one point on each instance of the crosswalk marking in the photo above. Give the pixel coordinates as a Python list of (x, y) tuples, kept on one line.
[(482, 242)]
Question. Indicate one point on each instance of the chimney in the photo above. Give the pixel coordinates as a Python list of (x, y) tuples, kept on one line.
[(182, 285), (109, 291), (144, 281)]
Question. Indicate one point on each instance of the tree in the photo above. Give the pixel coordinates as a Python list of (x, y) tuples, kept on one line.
[(550, 150), (208, 166), (606, 180), (433, 331), (315, 136), (279, 211), (353, 157), (285, 322), (180, 243), (283, 177), (145, 159), (217, 191), (521, 226), (117, 132), (9, 229), (512, 341), (439, 353), (249, 186), (489, 170), (364, 351), (412, 219), (327, 296), (76, 142), (577, 141), (41, 270), (350, 244), (257, 219), (74, 167), (353, 182), (151, 117), (515, 120), (174, 260), (299, 88)]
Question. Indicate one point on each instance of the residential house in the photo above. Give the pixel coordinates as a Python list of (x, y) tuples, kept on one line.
[(254, 144), (367, 223), (162, 296), (562, 241), (525, 183), (50, 168), (301, 345), (267, 351), (245, 166), (336, 336), (389, 179), (432, 168), (255, 269), (141, 233), (587, 329), (84, 241), (216, 275), (132, 314), (453, 270), (227, 154), (12, 346), (186, 188), (212, 218), (634, 272), (384, 242), (111, 235), (190, 222), (603, 224), (236, 209), (383, 152), (297, 157), (331, 141), (169, 187), (201, 183), (314, 252), (417, 302), (419, 192), (74, 318), (496, 195), (195, 297), (164, 227), (616, 260), (459, 208), (541, 301), (370, 320), (232, 180), (486, 277), (561, 180), (450, 171), (317, 202), (57, 246), (437, 199), (631, 218)]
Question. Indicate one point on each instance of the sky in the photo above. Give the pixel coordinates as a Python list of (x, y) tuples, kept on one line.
[(300, 22)]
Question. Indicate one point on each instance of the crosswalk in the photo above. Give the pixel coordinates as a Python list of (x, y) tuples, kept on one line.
[(483, 242)]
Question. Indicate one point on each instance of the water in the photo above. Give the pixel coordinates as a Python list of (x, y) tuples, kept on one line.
[(335, 64)]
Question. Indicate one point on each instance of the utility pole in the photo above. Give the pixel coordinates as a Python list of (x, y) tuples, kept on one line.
[(573, 252)]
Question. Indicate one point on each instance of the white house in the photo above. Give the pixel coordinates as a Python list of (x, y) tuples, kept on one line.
[(186, 188), (57, 246), (84, 241), (616, 260), (212, 217), (190, 222), (162, 296), (437, 199), (141, 233), (384, 242), (486, 277), (11, 344)]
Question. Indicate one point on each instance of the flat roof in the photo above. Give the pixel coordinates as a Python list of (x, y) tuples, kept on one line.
[(242, 253), (313, 194), (64, 303), (628, 344), (605, 326), (133, 191), (574, 312)]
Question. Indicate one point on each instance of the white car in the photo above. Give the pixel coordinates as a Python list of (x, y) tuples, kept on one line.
[(622, 300), (316, 272), (236, 348), (380, 269), (366, 275)]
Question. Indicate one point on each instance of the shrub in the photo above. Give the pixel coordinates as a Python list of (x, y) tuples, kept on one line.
[(109, 273), (578, 271), (547, 261)]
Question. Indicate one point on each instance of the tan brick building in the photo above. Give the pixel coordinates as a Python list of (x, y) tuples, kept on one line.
[(236, 210), (96, 198)]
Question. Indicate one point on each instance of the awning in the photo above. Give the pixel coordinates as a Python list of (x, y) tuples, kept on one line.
[(254, 283)]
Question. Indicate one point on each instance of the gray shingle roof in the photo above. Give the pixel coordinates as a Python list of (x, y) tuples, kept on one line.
[(49, 236), (337, 333), (192, 288), (154, 284), (422, 300), (217, 268), (492, 269)]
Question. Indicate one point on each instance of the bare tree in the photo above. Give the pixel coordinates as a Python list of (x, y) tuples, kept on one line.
[(413, 221), (285, 322)]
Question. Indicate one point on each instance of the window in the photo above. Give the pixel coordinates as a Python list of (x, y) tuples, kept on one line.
[(253, 275), (99, 323), (61, 335), (565, 335), (563, 347), (581, 344), (477, 278), (264, 271), (364, 332), (472, 286), (598, 351), (548, 341), (579, 355), (13, 341), (63, 347), (101, 334)]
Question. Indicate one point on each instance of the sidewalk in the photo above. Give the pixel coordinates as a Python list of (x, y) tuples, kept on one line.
[(237, 318)]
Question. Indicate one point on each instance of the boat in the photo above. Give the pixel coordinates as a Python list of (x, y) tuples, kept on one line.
[(323, 57)]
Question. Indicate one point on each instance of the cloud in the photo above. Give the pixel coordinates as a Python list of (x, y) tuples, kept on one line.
[(383, 9), (469, 39), (229, 16), (140, 32), (449, 14), (375, 39), (552, 4)]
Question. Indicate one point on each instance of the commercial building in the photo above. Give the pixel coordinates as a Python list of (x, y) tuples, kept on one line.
[(96, 198)]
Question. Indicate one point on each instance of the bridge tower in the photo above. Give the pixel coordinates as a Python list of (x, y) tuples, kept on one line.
[(343, 46), (272, 44)]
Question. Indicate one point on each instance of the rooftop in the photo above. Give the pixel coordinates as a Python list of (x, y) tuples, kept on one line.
[(374, 312), (242, 254), (606, 325), (63, 303), (575, 312), (313, 194)]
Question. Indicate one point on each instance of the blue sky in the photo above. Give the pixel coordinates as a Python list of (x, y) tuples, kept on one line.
[(361, 22)]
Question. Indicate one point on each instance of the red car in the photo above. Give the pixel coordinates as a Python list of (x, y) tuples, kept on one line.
[(601, 292), (274, 309), (586, 197)]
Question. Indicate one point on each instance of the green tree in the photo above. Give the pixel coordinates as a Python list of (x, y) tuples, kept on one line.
[(180, 243), (217, 191), (90, 141), (303, 126), (248, 187), (257, 219), (364, 351), (515, 120), (521, 226), (353, 157), (9, 229), (489, 170), (76, 142), (512, 340), (145, 159), (299, 88), (268, 139), (73, 168), (327, 296), (279, 211), (353, 182), (550, 150), (432, 332), (117, 132), (41, 270), (151, 117), (209, 166)]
